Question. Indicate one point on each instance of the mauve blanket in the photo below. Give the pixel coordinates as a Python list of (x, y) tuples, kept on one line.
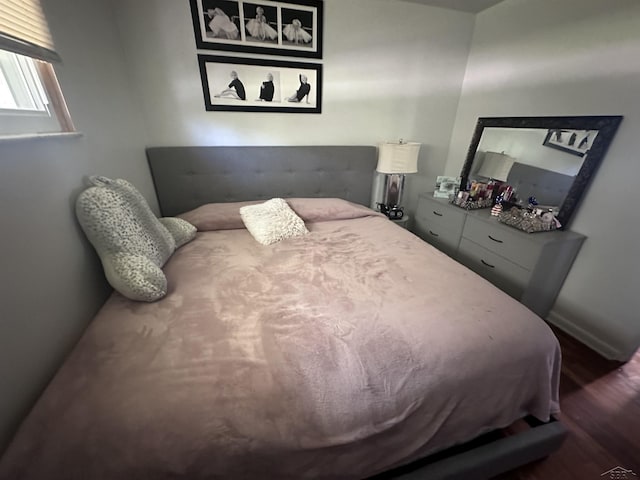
[(335, 355)]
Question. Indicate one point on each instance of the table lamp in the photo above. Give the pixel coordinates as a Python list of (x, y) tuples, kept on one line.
[(396, 160)]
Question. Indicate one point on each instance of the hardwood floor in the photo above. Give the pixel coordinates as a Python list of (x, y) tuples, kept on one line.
[(600, 402)]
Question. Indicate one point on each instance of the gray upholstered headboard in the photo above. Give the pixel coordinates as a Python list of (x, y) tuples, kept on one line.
[(549, 188), (187, 177)]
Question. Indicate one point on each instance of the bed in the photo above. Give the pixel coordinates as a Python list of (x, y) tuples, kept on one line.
[(345, 353)]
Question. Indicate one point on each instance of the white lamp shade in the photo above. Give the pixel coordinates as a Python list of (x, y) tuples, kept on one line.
[(398, 157), (496, 166)]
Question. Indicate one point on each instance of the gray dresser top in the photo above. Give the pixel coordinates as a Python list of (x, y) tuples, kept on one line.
[(484, 214)]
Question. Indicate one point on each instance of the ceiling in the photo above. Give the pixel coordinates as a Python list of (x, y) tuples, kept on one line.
[(473, 6)]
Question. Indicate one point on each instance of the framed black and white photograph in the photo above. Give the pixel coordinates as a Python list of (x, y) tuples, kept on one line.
[(292, 28), (261, 23), (254, 85), (296, 30), (575, 142)]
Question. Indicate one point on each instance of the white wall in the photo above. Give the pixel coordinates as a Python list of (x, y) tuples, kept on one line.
[(391, 70), (575, 57), (52, 283)]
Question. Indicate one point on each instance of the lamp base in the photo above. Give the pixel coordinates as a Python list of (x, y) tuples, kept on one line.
[(393, 188)]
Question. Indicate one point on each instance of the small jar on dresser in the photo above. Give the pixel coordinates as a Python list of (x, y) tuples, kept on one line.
[(531, 267)]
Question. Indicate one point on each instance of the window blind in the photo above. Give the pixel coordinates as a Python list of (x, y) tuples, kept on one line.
[(24, 30)]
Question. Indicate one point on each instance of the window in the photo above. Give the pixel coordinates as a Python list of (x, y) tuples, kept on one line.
[(30, 97), (20, 87)]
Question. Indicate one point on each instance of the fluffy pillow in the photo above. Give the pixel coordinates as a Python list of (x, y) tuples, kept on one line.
[(272, 221), (131, 242), (181, 230)]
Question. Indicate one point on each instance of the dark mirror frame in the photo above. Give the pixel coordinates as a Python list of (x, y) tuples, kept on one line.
[(606, 126)]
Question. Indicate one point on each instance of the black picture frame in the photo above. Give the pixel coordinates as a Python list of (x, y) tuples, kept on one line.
[(290, 28), (266, 85), (575, 142), (607, 126)]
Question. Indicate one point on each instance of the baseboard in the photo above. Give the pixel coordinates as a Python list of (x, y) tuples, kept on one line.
[(591, 341)]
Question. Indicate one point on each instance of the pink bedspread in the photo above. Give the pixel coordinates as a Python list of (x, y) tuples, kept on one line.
[(336, 355)]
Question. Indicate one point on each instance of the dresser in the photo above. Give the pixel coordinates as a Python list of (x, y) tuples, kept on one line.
[(531, 267)]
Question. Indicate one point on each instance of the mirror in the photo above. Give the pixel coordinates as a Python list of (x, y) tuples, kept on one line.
[(549, 158)]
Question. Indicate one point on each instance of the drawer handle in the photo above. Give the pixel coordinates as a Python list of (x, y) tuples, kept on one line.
[(434, 234), (487, 264), (437, 213), (495, 239)]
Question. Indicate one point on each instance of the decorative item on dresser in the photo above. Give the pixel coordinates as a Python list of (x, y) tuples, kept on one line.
[(446, 187), (530, 268)]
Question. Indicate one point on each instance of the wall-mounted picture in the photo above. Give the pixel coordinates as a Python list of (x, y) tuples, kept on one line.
[(575, 142), (252, 85), (291, 28)]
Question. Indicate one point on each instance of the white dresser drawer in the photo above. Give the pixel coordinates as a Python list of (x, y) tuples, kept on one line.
[(440, 213), (441, 238), (504, 274), (513, 246)]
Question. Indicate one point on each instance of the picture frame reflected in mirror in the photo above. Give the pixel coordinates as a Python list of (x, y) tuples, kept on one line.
[(576, 142)]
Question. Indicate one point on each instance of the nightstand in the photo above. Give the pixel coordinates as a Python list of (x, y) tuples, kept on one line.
[(403, 222)]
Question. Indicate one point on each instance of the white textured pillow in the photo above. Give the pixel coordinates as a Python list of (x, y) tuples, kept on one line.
[(272, 221), (130, 240)]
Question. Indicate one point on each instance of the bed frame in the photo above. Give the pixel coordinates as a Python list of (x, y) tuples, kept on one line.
[(486, 456), (187, 177)]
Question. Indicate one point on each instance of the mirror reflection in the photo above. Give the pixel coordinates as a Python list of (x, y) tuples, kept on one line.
[(535, 162), (549, 158)]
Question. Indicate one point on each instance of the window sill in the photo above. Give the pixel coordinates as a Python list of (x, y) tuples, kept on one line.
[(21, 137)]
